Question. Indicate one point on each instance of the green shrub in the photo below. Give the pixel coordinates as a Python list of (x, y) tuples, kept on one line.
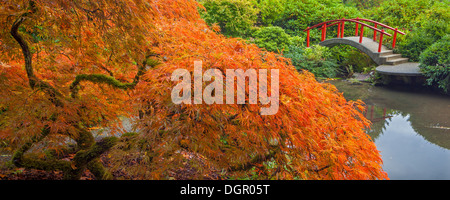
[(421, 38), (439, 11), (316, 60), (363, 4), (235, 17), (272, 38), (399, 13), (350, 59), (298, 15), (410, 16), (435, 63), (414, 44), (270, 10), (297, 41)]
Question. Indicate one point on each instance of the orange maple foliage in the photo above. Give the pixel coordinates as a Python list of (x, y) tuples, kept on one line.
[(136, 45)]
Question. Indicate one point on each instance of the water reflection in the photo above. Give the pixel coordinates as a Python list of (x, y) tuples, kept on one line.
[(410, 128), (407, 155)]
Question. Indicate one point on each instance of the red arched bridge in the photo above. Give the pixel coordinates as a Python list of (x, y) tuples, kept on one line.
[(390, 63)]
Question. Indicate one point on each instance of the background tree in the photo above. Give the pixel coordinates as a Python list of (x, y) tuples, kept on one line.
[(273, 38), (235, 17), (435, 63)]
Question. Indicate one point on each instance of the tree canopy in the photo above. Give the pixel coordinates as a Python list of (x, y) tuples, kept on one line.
[(70, 66)]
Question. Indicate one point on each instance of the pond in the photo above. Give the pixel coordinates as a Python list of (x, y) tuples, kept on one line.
[(411, 128)]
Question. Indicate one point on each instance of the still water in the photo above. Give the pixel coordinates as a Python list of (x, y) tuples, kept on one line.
[(411, 129)]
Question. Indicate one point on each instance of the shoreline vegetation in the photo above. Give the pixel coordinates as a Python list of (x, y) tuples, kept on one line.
[(277, 26)]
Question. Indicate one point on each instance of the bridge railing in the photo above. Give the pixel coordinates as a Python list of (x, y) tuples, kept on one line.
[(341, 28)]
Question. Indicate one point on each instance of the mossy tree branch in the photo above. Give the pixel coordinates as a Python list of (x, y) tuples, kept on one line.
[(24, 46), (18, 155), (33, 80), (99, 171), (85, 156), (98, 78), (110, 80), (89, 159), (29, 162)]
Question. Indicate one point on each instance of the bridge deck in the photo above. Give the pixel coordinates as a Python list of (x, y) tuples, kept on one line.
[(404, 69), (368, 43), (389, 63)]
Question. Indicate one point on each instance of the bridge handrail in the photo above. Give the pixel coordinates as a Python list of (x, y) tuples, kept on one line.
[(381, 24), (340, 30), (351, 20)]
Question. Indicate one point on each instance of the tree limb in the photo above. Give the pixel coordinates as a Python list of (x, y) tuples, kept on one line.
[(33, 80), (28, 162), (98, 78), (89, 159), (85, 156), (25, 49), (110, 80), (18, 155)]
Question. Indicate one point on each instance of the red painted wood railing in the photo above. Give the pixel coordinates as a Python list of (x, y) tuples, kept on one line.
[(340, 30)]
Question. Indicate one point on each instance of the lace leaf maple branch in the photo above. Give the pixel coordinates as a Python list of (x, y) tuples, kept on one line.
[(20, 160), (110, 80), (33, 80)]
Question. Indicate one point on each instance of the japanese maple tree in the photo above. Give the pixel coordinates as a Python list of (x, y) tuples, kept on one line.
[(69, 66)]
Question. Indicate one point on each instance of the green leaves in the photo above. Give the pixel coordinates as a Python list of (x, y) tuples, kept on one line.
[(298, 15), (272, 38), (316, 60), (435, 63), (399, 13), (235, 17), (427, 27)]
